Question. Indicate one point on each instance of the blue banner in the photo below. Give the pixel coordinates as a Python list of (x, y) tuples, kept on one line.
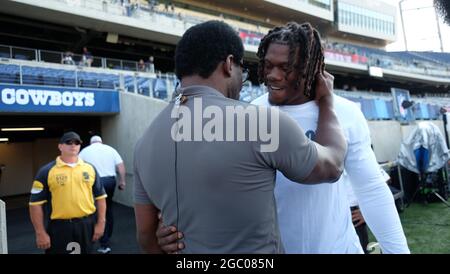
[(42, 99)]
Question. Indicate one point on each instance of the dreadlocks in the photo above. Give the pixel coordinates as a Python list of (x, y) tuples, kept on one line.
[(310, 59), (444, 8)]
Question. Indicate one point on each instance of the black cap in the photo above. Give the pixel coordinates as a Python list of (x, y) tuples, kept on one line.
[(69, 136)]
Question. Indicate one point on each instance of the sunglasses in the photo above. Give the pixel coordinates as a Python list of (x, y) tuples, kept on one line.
[(72, 142)]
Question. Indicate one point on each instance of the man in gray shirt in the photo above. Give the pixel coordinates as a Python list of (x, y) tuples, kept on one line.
[(208, 162)]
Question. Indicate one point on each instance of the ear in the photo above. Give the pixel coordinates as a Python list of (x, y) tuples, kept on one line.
[(59, 147), (227, 66)]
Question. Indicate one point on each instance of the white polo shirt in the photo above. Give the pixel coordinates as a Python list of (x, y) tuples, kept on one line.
[(103, 157)]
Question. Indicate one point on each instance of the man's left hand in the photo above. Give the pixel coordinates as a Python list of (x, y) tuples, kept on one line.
[(357, 217)]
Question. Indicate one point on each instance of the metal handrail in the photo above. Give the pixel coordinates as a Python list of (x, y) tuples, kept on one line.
[(38, 54), (121, 85)]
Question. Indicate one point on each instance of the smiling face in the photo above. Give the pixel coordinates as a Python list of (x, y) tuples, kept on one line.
[(280, 80)]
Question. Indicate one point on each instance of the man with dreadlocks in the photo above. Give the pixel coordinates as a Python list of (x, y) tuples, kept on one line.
[(317, 219)]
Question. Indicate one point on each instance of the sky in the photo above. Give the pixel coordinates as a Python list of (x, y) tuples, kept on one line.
[(420, 27)]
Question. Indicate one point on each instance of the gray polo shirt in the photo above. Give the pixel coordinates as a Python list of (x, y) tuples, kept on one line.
[(220, 194)]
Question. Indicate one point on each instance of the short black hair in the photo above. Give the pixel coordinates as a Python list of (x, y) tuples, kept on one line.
[(310, 59), (443, 6), (204, 46)]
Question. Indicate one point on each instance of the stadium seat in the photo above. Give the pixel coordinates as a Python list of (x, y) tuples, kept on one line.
[(381, 109)]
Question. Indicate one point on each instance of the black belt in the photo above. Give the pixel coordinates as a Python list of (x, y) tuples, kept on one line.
[(72, 220)]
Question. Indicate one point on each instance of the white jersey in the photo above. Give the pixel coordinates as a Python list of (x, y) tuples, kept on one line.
[(353, 201), (103, 157), (317, 218)]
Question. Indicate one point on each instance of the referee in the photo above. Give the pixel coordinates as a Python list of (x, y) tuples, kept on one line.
[(72, 190)]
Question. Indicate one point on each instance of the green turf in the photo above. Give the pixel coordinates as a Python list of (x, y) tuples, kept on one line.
[(427, 228)]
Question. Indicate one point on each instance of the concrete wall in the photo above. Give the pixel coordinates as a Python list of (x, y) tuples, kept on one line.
[(380, 131), (18, 173), (22, 161), (123, 131), (387, 137)]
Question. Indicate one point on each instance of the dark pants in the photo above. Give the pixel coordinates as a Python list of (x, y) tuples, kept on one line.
[(71, 236), (109, 183), (363, 235), (362, 232)]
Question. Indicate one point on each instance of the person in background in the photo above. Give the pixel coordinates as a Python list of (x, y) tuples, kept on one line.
[(141, 65), (86, 58), (149, 65), (107, 161), (68, 58)]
